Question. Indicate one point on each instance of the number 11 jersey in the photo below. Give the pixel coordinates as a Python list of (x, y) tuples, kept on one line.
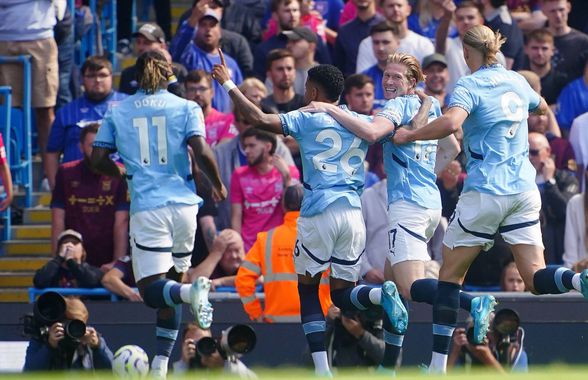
[(150, 133)]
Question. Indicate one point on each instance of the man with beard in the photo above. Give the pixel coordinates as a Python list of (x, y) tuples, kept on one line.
[(73, 117), (281, 70), (218, 125), (201, 54), (95, 205), (436, 77), (256, 189)]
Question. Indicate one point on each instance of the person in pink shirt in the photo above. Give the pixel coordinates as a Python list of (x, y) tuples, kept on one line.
[(256, 189), (6, 178), (219, 126)]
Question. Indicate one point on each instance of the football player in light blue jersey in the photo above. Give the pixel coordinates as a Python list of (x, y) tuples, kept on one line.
[(151, 131), (414, 203), (330, 229), (499, 193)]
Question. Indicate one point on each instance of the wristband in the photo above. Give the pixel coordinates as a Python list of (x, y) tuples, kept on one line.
[(229, 85)]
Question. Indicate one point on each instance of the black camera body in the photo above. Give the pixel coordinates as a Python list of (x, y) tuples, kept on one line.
[(233, 342), (50, 308)]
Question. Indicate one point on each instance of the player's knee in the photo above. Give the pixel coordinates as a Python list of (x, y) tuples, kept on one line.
[(404, 291)]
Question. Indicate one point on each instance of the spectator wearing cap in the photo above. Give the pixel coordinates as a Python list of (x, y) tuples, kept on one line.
[(351, 34), (68, 269), (149, 37), (72, 118), (436, 77), (384, 42), (95, 205), (302, 44), (219, 126), (287, 13), (201, 52), (232, 43)]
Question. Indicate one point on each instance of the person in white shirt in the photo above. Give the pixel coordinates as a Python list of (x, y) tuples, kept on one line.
[(396, 12)]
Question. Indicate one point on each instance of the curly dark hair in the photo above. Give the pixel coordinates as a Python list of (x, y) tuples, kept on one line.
[(329, 78)]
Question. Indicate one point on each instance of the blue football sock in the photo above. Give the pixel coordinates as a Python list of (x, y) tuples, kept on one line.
[(353, 298), (162, 293), (425, 290), (311, 315), (445, 315), (393, 346), (553, 280), (166, 330)]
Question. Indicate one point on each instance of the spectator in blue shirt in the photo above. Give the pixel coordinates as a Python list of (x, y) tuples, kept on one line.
[(74, 116), (572, 102), (384, 42), (201, 53)]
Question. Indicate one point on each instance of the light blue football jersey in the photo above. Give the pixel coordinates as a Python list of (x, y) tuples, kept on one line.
[(150, 133), (332, 159), (410, 168), (495, 134)]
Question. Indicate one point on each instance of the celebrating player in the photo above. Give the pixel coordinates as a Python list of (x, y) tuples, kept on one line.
[(151, 130), (331, 231), (414, 203), (499, 194)]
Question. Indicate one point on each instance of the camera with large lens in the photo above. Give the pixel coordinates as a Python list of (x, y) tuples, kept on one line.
[(50, 308), (233, 342), (506, 326)]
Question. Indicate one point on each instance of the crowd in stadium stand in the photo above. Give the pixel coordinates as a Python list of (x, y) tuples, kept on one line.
[(268, 47)]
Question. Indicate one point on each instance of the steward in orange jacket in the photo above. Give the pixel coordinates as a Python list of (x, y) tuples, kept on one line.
[(272, 256)]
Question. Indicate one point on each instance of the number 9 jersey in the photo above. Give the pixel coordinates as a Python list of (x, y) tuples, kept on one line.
[(495, 134), (150, 133), (332, 159)]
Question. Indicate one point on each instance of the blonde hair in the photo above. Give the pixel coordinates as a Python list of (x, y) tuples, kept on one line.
[(75, 309), (413, 68), (484, 40), (253, 83), (153, 71)]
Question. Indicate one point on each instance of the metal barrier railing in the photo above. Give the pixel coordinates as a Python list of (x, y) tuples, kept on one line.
[(18, 139), (6, 111)]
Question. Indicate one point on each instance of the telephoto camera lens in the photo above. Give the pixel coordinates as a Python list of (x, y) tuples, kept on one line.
[(74, 329)]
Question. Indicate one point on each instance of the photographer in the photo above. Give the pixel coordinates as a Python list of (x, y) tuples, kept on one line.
[(192, 358), (68, 269), (59, 348), (354, 339), (502, 350)]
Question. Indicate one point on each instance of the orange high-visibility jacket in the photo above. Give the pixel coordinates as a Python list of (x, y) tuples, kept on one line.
[(272, 256)]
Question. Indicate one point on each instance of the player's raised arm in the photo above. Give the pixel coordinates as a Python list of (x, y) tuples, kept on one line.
[(373, 131), (252, 113)]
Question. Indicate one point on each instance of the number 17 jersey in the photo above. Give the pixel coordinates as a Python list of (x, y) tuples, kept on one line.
[(332, 159), (150, 133)]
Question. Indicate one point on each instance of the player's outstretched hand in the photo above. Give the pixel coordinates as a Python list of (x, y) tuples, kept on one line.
[(220, 73), (219, 195), (402, 136), (314, 107)]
